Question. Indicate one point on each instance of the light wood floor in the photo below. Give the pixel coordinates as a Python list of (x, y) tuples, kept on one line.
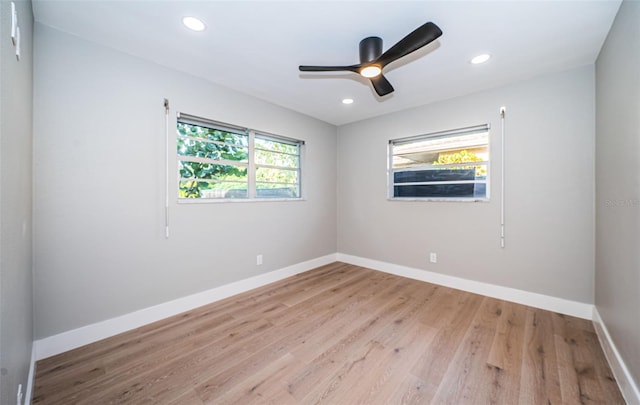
[(341, 334)]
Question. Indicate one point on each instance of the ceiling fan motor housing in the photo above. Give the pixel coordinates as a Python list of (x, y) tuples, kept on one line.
[(370, 49)]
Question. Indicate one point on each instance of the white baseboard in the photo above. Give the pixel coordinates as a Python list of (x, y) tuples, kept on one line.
[(72, 339), (560, 305), (627, 385)]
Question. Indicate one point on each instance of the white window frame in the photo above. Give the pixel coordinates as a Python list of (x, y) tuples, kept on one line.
[(391, 183), (250, 164)]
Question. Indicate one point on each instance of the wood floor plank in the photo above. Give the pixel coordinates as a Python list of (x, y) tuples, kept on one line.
[(345, 350), (579, 366), (505, 356), (570, 387), (148, 371), (340, 334), (356, 369), (433, 364), (610, 390), (379, 379), (120, 358), (410, 390), (578, 336), (256, 388), (539, 382), (229, 373), (470, 378), (188, 397), (466, 381), (506, 349)]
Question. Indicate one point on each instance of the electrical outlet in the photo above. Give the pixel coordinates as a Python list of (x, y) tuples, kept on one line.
[(259, 260), (433, 257)]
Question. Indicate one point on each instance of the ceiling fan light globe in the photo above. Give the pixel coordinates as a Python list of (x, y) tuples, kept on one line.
[(371, 71)]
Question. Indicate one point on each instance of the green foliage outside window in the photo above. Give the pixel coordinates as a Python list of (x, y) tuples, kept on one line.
[(463, 156), (224, 146), (280, 157)]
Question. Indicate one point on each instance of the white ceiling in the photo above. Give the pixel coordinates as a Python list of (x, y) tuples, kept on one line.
[(256, 46)]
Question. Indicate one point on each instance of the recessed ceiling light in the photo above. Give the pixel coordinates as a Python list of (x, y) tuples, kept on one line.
[(347, 101), (193, 23), (481, 59)]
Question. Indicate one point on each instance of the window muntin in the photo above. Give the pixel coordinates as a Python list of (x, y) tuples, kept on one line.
[(222, 162), (451, 165)]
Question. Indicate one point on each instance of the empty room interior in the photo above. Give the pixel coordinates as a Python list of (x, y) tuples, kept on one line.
[(335, 202)]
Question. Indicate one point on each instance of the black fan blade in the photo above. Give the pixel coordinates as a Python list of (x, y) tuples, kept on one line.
[(352, 68), (420, 37), (381, 85)]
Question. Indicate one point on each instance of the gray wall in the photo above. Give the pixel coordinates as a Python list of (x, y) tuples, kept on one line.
[(617, 278), (16, 135), (100, 249), (549, 197)]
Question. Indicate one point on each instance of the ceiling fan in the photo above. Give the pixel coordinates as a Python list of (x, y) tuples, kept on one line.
[(372, 60)]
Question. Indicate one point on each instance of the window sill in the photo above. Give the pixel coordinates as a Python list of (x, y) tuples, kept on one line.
[(465, 200), (234, 200)]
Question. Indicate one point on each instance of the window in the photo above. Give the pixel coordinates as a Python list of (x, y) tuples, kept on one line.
[(222, 162), (450, 165)]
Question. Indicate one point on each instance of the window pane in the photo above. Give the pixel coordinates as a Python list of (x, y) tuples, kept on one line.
[(442, 151), (211, 134), (270, 190), (439, 175), (276, 146), (268, 175), (202, 189), (208, 150), (264, 157), (208, 171), (440, 190)]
